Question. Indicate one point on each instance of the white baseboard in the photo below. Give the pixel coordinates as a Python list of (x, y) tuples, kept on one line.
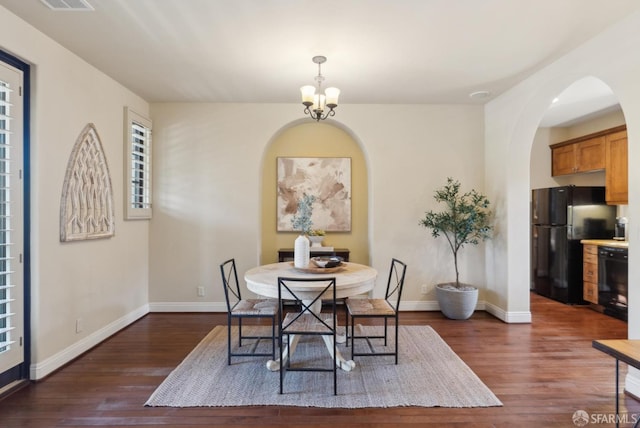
[(418, 305), (632, 382), (48, 366), (188, 307), (523, 317)]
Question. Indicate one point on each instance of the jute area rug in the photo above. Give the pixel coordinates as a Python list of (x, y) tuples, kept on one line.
[(428, 374)]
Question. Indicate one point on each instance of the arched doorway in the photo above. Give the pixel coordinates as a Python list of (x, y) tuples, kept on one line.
[(583, 111)]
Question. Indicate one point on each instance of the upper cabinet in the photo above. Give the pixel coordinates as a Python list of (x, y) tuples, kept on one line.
[(616, 176), (601, 150), (578, 155)]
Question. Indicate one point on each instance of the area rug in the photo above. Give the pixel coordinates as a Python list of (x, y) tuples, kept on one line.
[(428, 374)]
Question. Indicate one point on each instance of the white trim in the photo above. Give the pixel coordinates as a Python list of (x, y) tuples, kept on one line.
[(405, 306), (523, 317), (48, 366), (632, 381), (132, 118), (431, 305), (188, 307)]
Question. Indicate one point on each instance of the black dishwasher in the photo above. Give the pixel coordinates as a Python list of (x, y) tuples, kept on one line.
[(613, 281)]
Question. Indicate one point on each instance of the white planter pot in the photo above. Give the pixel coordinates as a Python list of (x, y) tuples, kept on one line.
[(457, 304), (316, 241)]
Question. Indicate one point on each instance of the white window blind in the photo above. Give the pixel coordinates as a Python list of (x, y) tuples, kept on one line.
[(6, 259), (138, 169)]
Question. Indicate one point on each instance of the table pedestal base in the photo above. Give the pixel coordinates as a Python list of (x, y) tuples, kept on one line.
[(290, 348)]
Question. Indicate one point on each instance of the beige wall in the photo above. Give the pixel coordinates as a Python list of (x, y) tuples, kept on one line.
[(316, 140), (103, 282), (212, 164), (541, 153), (511, 124)]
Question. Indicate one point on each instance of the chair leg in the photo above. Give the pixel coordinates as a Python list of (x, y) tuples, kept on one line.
[(353, 323), (335, 366), (240, 332), (229, 341), (385, 331), (397, 341), (273, 339), (281, 366), (346, 323)]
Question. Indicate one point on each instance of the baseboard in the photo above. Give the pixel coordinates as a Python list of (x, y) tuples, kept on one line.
[(44, 368), (188, 307), (632, 382), (415, 305), (522, 317)]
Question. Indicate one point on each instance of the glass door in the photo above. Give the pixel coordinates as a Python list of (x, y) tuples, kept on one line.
[(12, 354)]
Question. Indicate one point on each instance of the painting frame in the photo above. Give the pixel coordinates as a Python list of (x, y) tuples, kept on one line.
[(326, 178)]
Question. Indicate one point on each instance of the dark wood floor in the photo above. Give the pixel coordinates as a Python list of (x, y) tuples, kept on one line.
[(543, 372)]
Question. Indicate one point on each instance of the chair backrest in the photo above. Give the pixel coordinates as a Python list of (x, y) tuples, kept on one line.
[(230, 283), (395, 283), (325, 289)]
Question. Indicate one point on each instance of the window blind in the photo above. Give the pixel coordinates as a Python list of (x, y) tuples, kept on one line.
[(6, 257), (140, 166)]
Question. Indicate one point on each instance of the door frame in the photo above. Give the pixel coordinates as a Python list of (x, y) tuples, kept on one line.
[(23, 370)]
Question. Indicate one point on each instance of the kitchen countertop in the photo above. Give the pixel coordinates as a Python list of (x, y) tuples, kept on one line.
[(606, 243)]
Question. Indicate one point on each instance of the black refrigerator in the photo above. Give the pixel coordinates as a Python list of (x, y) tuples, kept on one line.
[(560, 218)]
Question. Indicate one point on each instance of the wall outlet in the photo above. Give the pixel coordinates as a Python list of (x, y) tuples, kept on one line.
[(200, 291), (424, 289), (78, 325)]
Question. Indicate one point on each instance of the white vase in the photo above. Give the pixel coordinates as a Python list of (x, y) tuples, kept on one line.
[(301, 252)]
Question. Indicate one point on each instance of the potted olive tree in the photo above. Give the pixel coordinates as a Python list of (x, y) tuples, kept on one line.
[(465, 220)]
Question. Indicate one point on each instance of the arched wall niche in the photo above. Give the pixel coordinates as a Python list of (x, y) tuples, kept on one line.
[(303, 138)]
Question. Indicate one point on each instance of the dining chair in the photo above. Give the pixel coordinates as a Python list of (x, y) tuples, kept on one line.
[(239, 309), (309, 320), (387, 308)]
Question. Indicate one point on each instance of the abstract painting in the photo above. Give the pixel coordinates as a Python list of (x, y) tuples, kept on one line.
[(328, 179)]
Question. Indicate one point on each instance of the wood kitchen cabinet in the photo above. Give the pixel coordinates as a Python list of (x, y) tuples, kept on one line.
[(578, 155), (590, 273), (616, 164)]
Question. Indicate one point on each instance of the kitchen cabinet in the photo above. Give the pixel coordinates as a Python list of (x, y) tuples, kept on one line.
[(578, 155), (616, 165), (590, 273)]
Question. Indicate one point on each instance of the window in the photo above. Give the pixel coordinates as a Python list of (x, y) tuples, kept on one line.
[(11, 220), (138, 166)]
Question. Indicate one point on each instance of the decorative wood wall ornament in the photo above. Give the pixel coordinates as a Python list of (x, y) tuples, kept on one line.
[(86, 209)]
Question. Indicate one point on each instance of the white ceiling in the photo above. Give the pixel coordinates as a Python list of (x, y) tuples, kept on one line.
[(379, 51)]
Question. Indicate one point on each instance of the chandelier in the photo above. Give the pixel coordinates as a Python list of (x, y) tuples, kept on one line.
[(316, 103)]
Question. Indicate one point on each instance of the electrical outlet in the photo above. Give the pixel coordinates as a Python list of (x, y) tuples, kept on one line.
[(200, 291), (424, 289), (79, 325)]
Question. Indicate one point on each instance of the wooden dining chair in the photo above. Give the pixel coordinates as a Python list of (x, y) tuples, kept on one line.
[(387, 308), (239, 309), (307, 321)]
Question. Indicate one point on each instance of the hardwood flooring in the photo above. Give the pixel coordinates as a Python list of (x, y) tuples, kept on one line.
[(543, 372)]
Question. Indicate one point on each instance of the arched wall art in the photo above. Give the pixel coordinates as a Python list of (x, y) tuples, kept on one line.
[(86, 209)]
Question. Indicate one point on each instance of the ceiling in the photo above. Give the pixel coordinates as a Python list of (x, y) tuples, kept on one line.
[(379, 51)]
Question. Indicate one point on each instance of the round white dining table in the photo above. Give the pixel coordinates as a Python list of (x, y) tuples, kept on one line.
[(352, 279)]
